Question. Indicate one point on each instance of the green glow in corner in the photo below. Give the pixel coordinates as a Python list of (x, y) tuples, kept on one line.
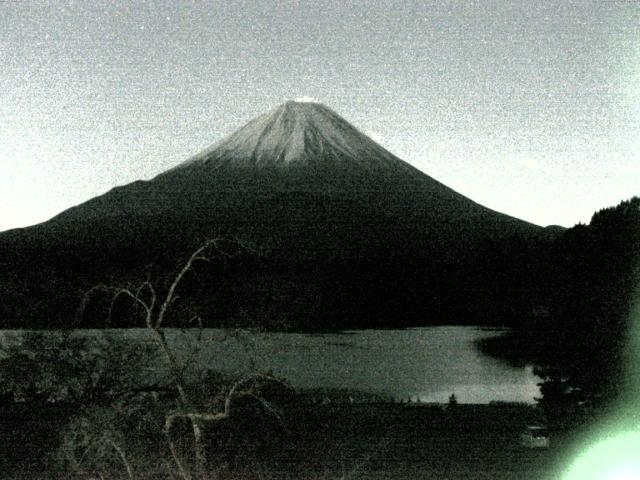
[(613, 452), (616, 458)]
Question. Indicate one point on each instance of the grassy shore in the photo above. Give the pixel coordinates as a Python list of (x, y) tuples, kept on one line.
[(393, 441), (340, 441)]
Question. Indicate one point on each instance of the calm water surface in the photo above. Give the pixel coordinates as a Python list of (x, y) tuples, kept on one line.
[(426, 364)]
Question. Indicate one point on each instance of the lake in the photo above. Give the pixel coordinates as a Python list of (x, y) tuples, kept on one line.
[(426, 364), (422, 364)]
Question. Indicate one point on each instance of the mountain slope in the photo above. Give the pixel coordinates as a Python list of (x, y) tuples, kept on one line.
[(297, 147), (326, 204)]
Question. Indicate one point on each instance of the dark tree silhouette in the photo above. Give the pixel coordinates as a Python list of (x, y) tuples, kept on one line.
[(579, 337)]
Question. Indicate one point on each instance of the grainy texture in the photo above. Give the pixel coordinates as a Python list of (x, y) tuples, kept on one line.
[(529, 108)]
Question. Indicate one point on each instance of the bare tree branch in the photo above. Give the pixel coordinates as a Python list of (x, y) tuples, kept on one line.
[(197, 255), (123, 458), (145, 296), (137, 300)]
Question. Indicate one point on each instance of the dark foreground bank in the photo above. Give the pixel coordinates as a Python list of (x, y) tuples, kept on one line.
[(322, 441)]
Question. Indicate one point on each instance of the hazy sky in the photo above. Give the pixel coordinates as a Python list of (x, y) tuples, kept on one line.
[(531, 108)]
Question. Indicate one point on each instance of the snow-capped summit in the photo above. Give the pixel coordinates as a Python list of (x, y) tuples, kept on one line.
[(296, 147), (297, 133)]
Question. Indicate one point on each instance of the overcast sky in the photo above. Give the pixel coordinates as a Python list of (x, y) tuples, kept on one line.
[(531, 108)]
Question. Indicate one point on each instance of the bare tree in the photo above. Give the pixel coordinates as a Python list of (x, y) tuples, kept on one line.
[(155, 308), (92, 444)]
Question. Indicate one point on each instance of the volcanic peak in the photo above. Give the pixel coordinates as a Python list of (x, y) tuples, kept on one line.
[(297, 133)]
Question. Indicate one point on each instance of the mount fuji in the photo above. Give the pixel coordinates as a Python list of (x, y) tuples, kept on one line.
[(350, 234), (297, 147)]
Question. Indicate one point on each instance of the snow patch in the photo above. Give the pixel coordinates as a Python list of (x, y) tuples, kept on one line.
[(300, 132), (306, 100)]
